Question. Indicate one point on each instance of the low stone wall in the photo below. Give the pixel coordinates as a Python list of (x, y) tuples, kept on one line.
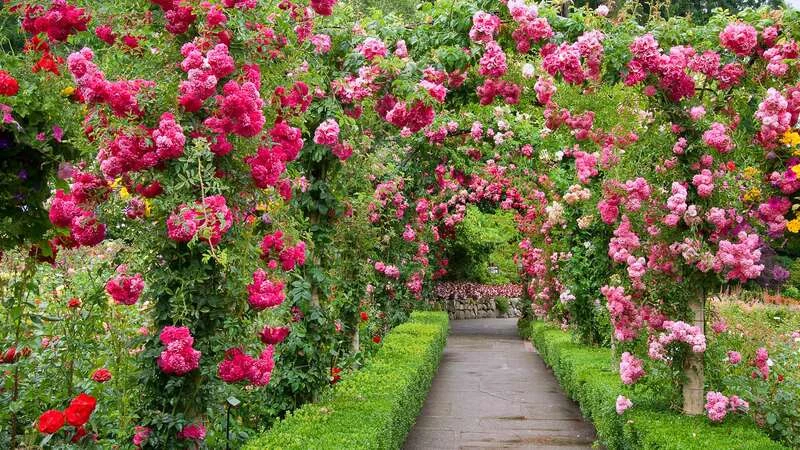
[(468, 300), (471, 308)]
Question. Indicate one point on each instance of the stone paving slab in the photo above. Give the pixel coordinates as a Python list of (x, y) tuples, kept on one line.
[(493, 391)]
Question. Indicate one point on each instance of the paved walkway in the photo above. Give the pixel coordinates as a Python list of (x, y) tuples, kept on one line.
[(493, 391)]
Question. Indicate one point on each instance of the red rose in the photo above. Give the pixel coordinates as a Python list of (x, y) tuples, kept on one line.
[(79, 433), (74, 302), (376, 339), (51, 421), (10, 355), (364, 316), (80, 409), (8, 84), (101, 375)]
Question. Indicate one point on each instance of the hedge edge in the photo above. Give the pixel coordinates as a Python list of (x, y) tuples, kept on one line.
[(375, 407), (586, 376)]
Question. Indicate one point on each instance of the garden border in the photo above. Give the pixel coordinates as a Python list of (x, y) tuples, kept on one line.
[(586, 376), (375, 407)]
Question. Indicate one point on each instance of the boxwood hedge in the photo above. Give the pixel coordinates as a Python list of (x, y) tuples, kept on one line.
[(586, 376), (375, 407)]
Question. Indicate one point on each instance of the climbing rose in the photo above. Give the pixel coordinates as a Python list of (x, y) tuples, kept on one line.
[(740, 38), (484, 27), (8, 84), (716, 406), (327, 133), (630, 368), (493, 61), (321, 42), (125, 289), (372, 48), (169, 138), (274, 335), (101, 375), (193, 432), (264, 293), (623, 403), (239, 110), (323, 7), (51, 421), (141, 434), (179, 358)]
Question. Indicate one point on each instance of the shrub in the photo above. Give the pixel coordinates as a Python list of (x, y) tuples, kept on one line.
[(503, 304), (375, 407), (586, 376)]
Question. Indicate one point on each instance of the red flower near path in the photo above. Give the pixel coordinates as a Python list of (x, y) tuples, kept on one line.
[(51, 421), (376, 339), (80, 409), (364, 316)]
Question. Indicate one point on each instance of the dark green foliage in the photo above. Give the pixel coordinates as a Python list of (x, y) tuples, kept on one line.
[(375, 407), (585, 374), (485, 240)]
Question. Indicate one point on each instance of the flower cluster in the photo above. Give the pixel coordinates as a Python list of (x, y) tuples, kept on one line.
[(93, 88), (493, 61), (624, 316), (530, 27), (239, 366), (622, 404), (677, 332), (274, 335), (741, 260), (740, 38), (123, 288), (239, 110), (630, 368), (718, 405), (484, 27), (492, 88), (66, 211), (263, 292), (58, 22), (8, 84), (178, 358)]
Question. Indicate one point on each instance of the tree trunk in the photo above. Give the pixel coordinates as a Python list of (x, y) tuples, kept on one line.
[(694, 384)]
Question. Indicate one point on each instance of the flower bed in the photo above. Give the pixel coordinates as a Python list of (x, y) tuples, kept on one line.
[(377, 406), (465, 289), (586, 376)]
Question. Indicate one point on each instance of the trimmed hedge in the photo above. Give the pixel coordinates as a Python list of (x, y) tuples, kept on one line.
[(375, 407), (586, 376)]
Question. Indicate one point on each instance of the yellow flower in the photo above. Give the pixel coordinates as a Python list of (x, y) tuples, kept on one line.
[(796, 170), (147, 207), (752, 195), (793, 225), (124, 194), (750, 172), (791, 138), (261, 207), (67, 91)]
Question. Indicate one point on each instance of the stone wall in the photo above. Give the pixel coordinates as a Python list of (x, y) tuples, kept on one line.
[(471, 308), (469, 300)]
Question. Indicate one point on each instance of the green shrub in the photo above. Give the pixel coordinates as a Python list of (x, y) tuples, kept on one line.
[(503, 304), (375, 407), (585, 375)]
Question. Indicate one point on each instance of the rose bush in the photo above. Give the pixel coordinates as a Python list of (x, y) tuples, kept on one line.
[(240, 171)]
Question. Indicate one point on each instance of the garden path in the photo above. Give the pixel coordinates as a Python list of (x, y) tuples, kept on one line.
[(494, 391)]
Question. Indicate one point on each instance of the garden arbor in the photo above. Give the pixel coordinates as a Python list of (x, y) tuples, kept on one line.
[(297, 182)]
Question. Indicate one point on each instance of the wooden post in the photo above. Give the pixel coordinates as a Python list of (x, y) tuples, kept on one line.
[(694, 383)]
